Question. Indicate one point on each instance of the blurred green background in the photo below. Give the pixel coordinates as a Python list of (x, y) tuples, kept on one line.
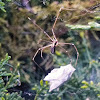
[(20, 38)]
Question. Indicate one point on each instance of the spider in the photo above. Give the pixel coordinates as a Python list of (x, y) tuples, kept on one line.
[(54, 42)]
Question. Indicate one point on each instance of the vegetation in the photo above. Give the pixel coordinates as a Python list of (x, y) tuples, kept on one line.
[(20, 38), (2, 5), (8, 80)]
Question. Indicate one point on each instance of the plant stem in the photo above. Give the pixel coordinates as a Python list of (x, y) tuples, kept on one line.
[(36, 96)]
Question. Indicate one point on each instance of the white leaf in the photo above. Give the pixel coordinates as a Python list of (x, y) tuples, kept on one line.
[(59, 75)]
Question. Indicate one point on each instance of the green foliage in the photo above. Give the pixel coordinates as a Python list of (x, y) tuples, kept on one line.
[(78, 27), (2, 5), (19, 37), (91, 25), (42, 89), (97, 17), (95, 87), (12, 96), (12, 81)]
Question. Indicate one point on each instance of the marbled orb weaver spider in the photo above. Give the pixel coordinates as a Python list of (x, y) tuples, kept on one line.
[(54, 42)]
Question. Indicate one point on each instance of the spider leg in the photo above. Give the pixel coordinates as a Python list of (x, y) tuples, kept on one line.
[(34, 58), (41, 54), (62, 8), (54, 34), (67, 53), (40, 49), (74, 47), (33, 21)]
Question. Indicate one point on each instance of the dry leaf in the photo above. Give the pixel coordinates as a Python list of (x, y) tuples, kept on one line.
[(59, 75)]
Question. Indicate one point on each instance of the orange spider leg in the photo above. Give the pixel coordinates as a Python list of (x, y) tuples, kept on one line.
[(33, 21), (62, 8), (67, 53), (41, 49), (74, 47)]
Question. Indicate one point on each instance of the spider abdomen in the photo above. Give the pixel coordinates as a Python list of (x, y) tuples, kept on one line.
[(53, 50)]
